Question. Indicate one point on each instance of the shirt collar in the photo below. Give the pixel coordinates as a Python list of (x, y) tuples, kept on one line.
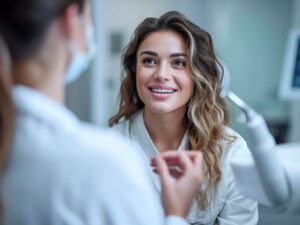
[(32, 102), (139, 128)]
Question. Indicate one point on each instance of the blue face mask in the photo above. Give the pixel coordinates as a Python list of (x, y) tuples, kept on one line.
[(81, 61)]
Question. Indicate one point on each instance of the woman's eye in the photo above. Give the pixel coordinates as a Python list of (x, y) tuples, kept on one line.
[(149, 61), (179, 63)]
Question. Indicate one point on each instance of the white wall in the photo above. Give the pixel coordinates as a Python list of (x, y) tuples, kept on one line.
[(98, 86), (250, 36)]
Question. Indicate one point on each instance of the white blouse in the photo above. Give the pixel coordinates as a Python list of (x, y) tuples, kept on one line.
[(227, 207)]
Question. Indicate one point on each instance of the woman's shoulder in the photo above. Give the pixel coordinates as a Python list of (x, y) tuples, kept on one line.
[(235, 137), (235, 145), (121, 127), (124, 125)]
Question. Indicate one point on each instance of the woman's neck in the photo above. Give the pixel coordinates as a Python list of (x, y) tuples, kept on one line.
[(166, 130)]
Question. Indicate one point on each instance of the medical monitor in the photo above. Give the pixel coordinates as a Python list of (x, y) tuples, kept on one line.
[(290, 80)]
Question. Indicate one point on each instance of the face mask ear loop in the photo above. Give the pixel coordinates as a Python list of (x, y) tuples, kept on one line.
[(80, 61), (72, 47)]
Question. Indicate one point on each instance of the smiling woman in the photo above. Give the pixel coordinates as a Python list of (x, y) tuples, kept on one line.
[(163, 82), (170, 99)]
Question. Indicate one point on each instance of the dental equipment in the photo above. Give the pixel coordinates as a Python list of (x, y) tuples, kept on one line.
[(271, 173)]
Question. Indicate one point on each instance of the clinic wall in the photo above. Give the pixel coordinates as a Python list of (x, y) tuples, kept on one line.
[(250, 36), (78, 97), (98, 85)]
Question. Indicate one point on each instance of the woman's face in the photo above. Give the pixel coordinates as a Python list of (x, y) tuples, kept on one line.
[(163, 79)]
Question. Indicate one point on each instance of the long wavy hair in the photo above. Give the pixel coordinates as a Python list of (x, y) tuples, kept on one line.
[(207, 114)]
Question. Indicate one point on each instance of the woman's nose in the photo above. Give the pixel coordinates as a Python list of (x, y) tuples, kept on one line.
[(163, 72)]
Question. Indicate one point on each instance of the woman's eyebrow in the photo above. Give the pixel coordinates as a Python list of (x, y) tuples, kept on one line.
[(177, 54), (155, 54), (149, 53)]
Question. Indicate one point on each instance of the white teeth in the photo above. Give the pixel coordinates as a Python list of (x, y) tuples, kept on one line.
[(162, 90)]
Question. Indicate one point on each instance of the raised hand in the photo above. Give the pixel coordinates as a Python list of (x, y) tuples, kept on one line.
[(186, 168)]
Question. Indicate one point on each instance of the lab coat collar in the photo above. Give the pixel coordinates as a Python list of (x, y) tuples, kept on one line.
[(144, 138), (37, 104)]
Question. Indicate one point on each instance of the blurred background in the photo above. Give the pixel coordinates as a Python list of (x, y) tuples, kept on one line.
[(249, 35)]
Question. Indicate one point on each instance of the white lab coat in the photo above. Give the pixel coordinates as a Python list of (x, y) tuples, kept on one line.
[(61, 171), (227, 207)]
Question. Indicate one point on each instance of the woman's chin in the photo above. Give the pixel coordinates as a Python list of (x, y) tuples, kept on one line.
[(159, 109)]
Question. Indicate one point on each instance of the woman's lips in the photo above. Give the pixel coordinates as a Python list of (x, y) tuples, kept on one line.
[(161, 93)]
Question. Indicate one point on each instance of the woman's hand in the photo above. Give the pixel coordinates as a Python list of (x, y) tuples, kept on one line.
[(178, 194)]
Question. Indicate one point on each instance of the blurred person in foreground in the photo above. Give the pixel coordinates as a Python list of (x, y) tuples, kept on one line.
[(54, 168)]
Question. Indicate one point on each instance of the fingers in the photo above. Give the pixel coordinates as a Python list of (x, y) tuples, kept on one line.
[(179, 193), (189, 162), (162, 170), (172, 157), (184, 162), (173, 172)]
